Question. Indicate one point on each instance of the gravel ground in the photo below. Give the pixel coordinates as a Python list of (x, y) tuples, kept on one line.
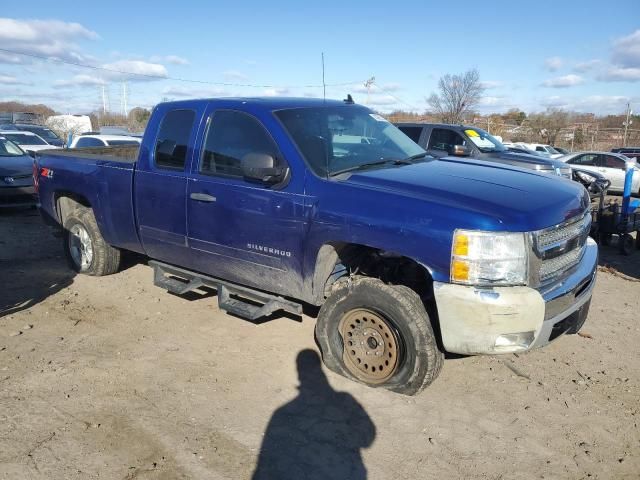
[(113, 378)]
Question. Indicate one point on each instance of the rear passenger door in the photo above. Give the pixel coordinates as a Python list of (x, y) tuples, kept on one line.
[(442, 141), (614, 169), (243, 231), (161, 185)]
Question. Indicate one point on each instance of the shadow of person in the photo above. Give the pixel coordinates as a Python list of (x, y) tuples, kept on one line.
[(318, 434)]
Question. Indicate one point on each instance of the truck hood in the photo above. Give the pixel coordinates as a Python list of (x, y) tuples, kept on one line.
[(498, 197), (15, 166), (529, 161)]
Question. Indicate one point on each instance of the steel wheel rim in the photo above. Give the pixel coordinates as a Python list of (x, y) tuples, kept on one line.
[(371, 347), (80, 246)]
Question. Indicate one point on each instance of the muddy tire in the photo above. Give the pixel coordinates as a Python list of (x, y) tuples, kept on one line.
[(379, 335), (84, 247)]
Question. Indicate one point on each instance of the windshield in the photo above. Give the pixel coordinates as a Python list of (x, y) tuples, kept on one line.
[(44, 132), (9, 149), (24, 139), (122, 142), (339, 138), (484, 141)]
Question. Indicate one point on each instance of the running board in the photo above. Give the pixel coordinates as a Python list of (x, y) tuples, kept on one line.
[(234, 299)]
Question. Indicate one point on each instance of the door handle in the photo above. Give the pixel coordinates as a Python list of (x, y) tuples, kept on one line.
[(202, 197)]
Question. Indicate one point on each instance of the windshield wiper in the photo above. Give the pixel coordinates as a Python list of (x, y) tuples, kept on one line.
[(363, 166), (417, 156)]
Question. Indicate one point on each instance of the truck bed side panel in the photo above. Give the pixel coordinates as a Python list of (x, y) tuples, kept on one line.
[(106, 184)]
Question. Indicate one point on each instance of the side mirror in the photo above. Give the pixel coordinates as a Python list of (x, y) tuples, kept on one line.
[(262, 168), (461, 151)]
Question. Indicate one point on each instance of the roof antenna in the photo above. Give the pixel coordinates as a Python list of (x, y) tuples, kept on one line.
[(349, 99), (324, 85)]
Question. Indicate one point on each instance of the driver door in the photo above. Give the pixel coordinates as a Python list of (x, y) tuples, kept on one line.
[(244, 231), (442, 141)]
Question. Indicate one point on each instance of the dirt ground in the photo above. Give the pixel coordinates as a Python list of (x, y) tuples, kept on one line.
[(113, 378)]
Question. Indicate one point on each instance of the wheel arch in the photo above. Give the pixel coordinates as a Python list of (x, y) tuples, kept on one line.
[(67, 202), (352, 256)]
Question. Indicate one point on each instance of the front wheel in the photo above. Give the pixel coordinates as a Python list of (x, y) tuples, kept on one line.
[(84, 247), (379, 335)]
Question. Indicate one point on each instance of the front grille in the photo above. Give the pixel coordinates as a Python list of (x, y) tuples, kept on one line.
[(550, 268), (560, 248), (548, 238)]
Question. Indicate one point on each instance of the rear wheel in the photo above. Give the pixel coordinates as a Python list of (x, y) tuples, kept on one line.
[(85, 249), (379, 335)]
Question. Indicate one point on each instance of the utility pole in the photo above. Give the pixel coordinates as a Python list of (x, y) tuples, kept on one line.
[(104, 101), (124, 99), (368, 84), (626, 124)]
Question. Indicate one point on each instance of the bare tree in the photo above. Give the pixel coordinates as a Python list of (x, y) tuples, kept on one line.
[(457, 97), (548, 124)]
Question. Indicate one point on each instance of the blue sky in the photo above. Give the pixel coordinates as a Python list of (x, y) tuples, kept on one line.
[(579, 55)]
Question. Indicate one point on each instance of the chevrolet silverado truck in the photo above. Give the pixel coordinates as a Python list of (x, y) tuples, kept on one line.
[(280, 203)]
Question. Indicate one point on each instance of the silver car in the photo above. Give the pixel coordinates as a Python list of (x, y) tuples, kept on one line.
[(611, 165), (16, 182)]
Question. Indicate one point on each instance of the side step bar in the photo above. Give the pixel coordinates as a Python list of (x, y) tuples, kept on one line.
[(246, 302)]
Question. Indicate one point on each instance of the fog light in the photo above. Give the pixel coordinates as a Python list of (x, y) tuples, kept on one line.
[(512, 342)]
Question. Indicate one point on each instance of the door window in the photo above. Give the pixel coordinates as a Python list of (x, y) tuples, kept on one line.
[(444, 139), (230, 136), (89, 142), (412, 132), (609, 161), (588, 159), (173, 139)]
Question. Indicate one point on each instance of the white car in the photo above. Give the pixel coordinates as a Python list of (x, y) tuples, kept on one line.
[(543, 149), (97, 140), (27, 141), (611, 165)]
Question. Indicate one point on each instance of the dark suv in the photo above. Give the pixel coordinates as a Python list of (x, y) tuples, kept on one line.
[(631, 152), (441, 140)]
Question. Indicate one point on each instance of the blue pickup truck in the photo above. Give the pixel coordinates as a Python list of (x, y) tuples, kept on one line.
[(278, 203)]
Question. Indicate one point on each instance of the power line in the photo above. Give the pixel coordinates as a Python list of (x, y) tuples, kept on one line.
[(375, 85), (162, 77)]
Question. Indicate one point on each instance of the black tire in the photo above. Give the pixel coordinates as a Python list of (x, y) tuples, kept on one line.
[(105, 259), (419, 362), (626, 244)]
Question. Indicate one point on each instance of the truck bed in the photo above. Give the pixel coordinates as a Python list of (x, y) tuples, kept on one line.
[(116, 153), (101, 175)]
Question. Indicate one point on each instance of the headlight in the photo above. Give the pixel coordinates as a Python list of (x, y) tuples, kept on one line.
[(488, 258)]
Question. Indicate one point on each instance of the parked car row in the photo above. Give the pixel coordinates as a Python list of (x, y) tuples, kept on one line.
[(16, 176)]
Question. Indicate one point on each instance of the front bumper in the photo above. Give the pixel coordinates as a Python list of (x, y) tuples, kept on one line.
[(512, 319), (18, 196)]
